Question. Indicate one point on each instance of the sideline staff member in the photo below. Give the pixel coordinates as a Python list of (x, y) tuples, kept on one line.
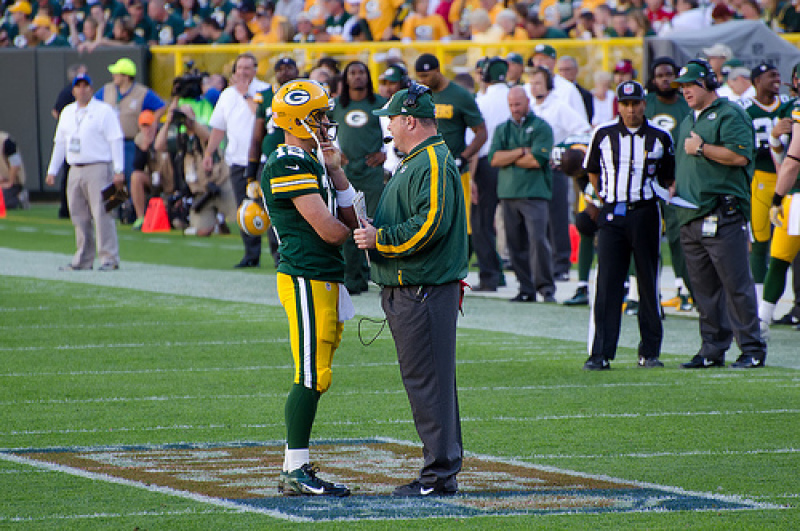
[(88, 132), (421, 244), (626, 157), (715, 160)]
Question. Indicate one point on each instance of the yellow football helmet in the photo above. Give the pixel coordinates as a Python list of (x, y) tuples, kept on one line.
[(252, 218), (300, 106)]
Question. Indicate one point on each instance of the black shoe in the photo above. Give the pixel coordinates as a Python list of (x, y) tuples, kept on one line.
[(595, 364), (246, 263), (524, 297), (561, 277), (484, 287), (417, 489), (746, 361), (789, 319), (699, 362), (649, 362), (581, 297), (549, 298)]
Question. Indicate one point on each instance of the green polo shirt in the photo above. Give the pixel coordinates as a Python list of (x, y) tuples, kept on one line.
[(701, 180), (514, 182), (456, 111), (421, 221)]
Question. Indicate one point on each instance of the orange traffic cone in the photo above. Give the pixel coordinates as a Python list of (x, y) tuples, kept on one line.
[(2, 205), (155, 218)]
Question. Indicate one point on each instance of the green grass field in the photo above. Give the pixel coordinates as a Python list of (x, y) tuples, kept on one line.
[(179, 347)]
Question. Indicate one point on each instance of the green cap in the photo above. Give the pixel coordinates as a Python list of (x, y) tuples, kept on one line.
[(514, 57), (691, 73), (545, 49), (422, 108)]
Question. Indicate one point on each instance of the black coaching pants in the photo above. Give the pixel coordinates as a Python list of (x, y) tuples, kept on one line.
[(636, 231)]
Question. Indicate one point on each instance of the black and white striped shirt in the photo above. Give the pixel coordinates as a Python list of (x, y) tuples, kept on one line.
[(627, 162)]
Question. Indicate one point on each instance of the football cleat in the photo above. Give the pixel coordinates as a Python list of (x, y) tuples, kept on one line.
[(252, 218), (303, 481), (417, 489)]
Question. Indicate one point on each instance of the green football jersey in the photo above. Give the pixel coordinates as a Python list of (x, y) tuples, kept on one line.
[(795, 114), (288, 173), (359, 134), (456, 110), (764, 119), (273, 136), (667, 116)]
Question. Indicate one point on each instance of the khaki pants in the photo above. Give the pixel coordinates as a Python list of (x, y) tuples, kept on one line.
[(89, 216)]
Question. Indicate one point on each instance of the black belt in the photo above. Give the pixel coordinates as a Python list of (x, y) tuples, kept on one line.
[(82, 164), (632, 206)]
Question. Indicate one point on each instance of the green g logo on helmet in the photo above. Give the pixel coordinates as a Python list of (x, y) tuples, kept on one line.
[(297, 97)]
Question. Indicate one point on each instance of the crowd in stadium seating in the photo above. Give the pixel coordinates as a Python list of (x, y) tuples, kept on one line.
[(86, 24)]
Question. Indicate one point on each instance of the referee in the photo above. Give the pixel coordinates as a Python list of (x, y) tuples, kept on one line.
[(624, 158)]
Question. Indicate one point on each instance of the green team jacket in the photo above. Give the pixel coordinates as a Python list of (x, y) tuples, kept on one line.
[(421, 221), (701, 180)]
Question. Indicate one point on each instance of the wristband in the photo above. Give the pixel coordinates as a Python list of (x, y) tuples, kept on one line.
[(775, 142), (251, 170), (345, 197), (777, 199)]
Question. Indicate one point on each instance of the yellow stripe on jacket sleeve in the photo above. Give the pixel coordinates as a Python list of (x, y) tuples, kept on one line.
[(293, 183), (435, 198)]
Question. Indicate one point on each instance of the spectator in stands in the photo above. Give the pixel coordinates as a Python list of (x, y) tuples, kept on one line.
[(188, 10), (722, 13), (658, 13), (5, 42), (585, 26), (290, 10), (167, 25), (381, 16), (512, 31), (603, 98), (213, 32), (619, 25), (51, 8), (42, 28), (270, 28), (337, 23), (220, 10), (192, 32), (688, 17), (304, 30), (18, 30), (420, 26), (482, 29), (639, 25), (241, 33), (537, 29), (717, 55)]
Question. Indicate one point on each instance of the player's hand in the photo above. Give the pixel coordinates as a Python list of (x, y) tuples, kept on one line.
[(375, 159), (365, 237), (333, 157), (782, 127), (775, 215), (50, 180)]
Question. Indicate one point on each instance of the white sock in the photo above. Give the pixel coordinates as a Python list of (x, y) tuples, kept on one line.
[(296, 458), (583, 284), (766, 311), (633, 290), (679, 284), (759, 291)]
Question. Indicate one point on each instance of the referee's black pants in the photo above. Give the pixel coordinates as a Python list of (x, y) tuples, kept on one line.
[(638, 231)]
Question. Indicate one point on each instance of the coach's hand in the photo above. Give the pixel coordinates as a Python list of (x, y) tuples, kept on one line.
[(366, 237)]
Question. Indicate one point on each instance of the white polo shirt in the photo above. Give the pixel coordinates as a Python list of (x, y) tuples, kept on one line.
[(493, 105), (232, 114), (87, 135)]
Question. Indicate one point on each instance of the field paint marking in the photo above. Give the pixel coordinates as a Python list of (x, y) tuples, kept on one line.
[(143, 345), (402, 421), (688, 453), (103, 515), (137, 324), (241, 508)]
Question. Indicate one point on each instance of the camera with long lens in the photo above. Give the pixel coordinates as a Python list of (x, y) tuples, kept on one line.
[(190, 84), (212, 191)]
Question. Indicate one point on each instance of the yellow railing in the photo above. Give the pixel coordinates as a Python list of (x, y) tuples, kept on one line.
[(457, 56)]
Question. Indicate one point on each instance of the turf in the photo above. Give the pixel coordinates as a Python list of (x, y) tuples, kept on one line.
[(84, 364)]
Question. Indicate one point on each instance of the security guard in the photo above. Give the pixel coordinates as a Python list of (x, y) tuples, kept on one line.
[(623, 161), (715, 159)]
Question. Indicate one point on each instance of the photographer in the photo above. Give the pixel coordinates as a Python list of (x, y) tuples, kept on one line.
[(202, 193), (152, 171), (188, 88)]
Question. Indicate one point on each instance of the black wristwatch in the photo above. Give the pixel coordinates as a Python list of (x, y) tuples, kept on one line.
[(699, 151)]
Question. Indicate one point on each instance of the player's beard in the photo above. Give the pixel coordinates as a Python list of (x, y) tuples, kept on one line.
[(666, 94)]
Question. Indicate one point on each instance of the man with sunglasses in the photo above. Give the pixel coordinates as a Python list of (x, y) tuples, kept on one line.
[(419, 243)]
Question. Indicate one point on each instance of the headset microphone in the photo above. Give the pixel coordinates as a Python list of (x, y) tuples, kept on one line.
[(387, 139)]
